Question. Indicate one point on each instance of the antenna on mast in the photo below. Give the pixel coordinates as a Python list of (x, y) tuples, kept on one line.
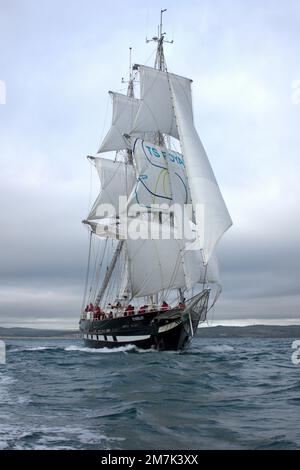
[(130, 88), (160, 62)]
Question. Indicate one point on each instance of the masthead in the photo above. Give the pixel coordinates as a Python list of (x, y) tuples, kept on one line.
[(160, 62)]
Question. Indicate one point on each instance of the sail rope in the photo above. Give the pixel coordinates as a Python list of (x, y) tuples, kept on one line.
[(99, 263), (87, 272), (218, 293), (95, 253), (174, 274)]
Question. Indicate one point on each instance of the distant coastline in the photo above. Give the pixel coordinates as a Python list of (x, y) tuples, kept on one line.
[(253, 331), (30, 333)]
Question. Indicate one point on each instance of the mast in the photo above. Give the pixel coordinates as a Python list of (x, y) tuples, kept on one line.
[(108, 273), (160, 62), (130, 94)]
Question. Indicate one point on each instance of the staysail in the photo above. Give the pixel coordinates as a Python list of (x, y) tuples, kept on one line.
[(212, 216)]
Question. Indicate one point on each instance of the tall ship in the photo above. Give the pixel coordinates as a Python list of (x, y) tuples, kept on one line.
[(152, 272)]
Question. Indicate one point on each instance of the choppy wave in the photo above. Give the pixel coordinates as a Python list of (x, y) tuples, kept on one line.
[(225, 393)]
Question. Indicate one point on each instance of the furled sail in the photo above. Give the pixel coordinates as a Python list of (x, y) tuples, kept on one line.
[(124, 113), (156, 113), (212, 218), (117, 180), (161, 176)]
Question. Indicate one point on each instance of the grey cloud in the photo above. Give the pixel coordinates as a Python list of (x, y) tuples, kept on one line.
[(58, 60)]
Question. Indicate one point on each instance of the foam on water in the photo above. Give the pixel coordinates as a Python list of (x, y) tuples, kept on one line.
[(219, 348), (129, 347), (35, 348), (46, 437)]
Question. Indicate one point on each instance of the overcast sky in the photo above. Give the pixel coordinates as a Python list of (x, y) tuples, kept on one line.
[(58, 58)]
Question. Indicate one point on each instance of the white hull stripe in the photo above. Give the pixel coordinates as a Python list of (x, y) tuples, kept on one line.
[(119, 339), (167, 327)]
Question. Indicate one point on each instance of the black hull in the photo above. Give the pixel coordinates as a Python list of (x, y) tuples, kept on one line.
[(171, 330), (177, 339)]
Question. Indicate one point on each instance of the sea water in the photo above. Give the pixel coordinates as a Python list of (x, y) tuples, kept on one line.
[(220, 394)]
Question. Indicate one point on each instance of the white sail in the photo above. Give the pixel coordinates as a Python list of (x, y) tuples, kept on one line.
[(195, 272), (164, 264), (124, 113), (156, 113), (155, 265), (116, 179), (214, 219), (105, 229), (161, 176)]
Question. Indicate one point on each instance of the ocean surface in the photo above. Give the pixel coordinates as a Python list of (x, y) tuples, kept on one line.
[(220, 394)]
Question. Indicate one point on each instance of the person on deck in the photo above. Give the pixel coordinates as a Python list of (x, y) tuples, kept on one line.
[(164, 306), (131, 309), (97, 313), (143, 309)]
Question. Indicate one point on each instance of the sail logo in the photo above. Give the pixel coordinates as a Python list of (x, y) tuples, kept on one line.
[(172, 157), (2, 353), (175, 159), (296, 354), (2, 92), (296, 92)]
